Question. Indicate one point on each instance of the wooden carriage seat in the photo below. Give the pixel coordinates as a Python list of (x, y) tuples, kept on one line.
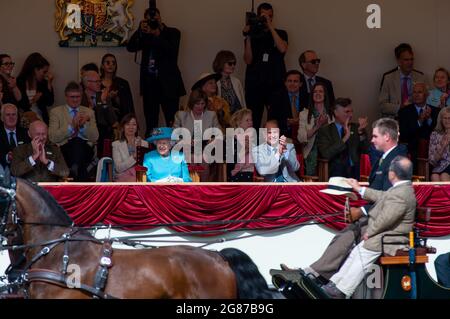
[(402, 257), (423, 215)]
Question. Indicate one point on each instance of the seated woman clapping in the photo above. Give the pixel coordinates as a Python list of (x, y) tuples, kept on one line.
[(311, 119), (124, 150), (164, 165), (241, 170), (438, 152)]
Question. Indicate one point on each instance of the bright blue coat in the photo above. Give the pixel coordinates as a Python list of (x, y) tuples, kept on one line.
[(162, 167)]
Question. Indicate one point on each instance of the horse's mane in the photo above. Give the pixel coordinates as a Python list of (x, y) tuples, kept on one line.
[(59, 215)]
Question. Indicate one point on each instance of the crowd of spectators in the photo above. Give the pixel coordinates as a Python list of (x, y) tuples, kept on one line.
[(98, 118)]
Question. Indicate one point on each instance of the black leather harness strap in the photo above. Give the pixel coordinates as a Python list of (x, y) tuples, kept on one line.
[(17, 263), (101, 276), (58, 279), (65, 258), (44, 251)]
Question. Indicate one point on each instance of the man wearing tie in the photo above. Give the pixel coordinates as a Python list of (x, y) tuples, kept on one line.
[(392, 215), (276, 160), (310, 62), (343, 142), (397, 84), (99, 100), (73, 128), (417, 121), (10, 134), (385, 140), (285, 104)]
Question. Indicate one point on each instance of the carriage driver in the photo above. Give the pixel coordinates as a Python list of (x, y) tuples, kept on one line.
[(393, 214)]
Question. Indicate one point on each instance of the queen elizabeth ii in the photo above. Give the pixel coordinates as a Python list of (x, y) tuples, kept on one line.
[(164, 165)]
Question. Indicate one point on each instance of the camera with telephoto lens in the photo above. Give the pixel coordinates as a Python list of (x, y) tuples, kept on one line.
[(150, 18), (257, 24)]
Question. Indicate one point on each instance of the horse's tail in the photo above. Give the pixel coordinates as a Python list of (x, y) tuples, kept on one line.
[(250, 283)]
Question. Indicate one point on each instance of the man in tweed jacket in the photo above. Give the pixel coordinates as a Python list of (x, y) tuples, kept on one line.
[(393, 214), (40, 160)]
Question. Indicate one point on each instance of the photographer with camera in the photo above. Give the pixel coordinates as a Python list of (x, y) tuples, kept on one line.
[(161, 82), (264, 52)]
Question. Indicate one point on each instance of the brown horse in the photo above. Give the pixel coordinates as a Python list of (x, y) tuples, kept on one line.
[(169, 272)]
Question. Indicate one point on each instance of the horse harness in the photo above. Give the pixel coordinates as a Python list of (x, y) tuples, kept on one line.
[(61, 278)]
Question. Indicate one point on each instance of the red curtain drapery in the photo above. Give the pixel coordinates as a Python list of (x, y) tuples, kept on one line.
[(262, 205)]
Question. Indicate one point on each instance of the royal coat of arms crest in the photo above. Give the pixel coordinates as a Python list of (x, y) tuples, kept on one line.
[(92, 23)]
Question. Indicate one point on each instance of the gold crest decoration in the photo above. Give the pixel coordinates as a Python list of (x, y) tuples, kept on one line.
[(92, 23)]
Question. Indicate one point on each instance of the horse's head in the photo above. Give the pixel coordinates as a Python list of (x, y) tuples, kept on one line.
[(10, 231), (23, 203), (36, 206)]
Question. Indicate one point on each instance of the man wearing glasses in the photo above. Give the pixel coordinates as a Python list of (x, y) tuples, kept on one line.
[(309, 62), (100, 101), (11, 93), (73, 128)]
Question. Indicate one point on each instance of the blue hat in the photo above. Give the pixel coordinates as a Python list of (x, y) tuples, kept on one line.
[(160, 134)]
